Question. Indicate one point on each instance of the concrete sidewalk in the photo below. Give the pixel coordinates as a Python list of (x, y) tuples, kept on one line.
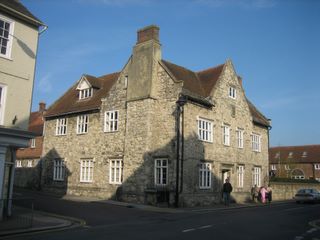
[(26, 222)]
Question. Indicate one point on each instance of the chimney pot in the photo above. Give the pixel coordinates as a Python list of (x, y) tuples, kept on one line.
[(42, 106), (148, 33)]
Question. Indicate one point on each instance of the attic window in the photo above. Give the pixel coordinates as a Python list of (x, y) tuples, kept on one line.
[(304, 154), (85, 93), (290, 154), (277, 155)]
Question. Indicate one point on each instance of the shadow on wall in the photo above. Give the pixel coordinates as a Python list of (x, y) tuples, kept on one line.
[(28, 177), (51, 178), (159, 166)]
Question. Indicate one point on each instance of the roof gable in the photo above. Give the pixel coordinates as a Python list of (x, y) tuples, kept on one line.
[(69, 103)]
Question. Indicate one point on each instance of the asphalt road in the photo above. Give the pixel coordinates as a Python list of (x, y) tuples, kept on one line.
[(275, 222)]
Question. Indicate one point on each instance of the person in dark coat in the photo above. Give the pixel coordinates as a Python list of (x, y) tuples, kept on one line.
[(226, 190)]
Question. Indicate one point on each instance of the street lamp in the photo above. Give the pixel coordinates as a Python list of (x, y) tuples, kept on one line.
[(180, 103)]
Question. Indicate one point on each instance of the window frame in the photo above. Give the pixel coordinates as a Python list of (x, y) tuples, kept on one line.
[(85, 93), (61, 126), (256, 142), (205, 175), (11, 23), (240, 138), (115, 169), (205, 130), (111, 121), (29, 164), (240, 176), (59, 169), (232, 92), (83, 124), (33, 143), (159, 170), (18, 164), (256, 176), (86, 170), (226, 129)]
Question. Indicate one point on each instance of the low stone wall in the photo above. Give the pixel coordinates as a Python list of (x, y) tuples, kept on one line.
[(286, 191)]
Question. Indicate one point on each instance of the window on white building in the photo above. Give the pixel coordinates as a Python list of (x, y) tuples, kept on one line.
[(257, 176), (205, 130), (111, 121), (115, 172), (256, 142), (240, 175), (82, 124), (240, 138), (205, 175), (29, 163), (226, 135), (58, 169), (86, 170), (161, 172), (273, 167), (85, 93), (61, 126), (6, 33), (232, 92), (317, 166), (18, 163)]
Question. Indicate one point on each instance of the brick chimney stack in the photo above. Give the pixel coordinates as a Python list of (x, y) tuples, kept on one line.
[(42, 107), (148, 33)]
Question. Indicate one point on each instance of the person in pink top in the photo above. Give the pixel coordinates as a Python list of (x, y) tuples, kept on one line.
[(263, 192)]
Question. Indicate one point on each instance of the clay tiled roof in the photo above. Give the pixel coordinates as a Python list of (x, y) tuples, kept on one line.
[(202, 83), (295, 154), (29, 153), (70, 103), (15, 7)]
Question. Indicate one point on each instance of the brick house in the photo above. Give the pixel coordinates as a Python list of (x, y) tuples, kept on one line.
[(28, 167), (298, 162), (115, 136)]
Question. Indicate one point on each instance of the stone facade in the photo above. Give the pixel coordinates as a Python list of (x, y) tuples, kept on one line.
[(147, 133)]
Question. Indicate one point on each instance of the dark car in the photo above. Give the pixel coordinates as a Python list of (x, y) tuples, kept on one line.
[(307, 195)]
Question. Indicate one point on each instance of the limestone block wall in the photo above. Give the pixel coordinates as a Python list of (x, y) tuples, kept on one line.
[(286, 191)]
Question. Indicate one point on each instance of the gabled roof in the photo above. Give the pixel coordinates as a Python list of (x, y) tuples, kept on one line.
[(69, 103), (15, 8), (202, 83), (295, 154)]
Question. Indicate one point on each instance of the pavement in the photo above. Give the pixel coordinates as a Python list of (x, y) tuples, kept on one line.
[(25, 221)]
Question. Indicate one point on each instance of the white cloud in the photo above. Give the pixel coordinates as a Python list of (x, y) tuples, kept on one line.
[(45, 84)]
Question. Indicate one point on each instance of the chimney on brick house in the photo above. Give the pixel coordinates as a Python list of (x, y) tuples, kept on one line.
[(143, 65), (148, 33), (42, 107)]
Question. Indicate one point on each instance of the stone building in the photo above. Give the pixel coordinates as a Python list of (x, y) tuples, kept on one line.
[(115, 136), (28, 166), (297, 162)]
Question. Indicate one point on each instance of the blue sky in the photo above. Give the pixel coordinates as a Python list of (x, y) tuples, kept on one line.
[(274, 45)]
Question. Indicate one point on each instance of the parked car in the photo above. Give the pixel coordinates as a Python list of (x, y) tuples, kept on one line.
[(307, 195)]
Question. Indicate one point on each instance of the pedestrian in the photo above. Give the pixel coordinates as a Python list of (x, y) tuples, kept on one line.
[(269, 190), (255, 193), (226, 190), (263, 192)]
